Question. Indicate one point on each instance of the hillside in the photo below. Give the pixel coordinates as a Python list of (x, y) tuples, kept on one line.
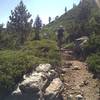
[(74, 20), (82, 20)]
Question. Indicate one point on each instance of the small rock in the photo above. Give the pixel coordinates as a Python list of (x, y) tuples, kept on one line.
[(17, 92), (76, 68), (84, 83), (70, 97), (52, 74), (66, 84), (63, 70), (79, 97), (43, 68), (77, 87), (67, 64)]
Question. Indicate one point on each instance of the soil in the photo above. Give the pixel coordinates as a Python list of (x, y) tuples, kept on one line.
[(77, 79)]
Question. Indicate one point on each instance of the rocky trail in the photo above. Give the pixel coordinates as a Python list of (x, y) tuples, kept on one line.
[(79, 84)]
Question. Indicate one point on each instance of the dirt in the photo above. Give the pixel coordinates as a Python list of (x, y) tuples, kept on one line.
[(77, 79)]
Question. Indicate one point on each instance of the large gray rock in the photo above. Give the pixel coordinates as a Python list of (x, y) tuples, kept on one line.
[(53, 91)]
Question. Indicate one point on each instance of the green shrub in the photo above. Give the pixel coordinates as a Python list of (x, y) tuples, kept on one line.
[(93, 44), (94, 62), (13, 64), (44, 49)]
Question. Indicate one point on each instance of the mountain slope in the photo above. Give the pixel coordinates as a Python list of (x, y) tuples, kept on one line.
[(75, 18)]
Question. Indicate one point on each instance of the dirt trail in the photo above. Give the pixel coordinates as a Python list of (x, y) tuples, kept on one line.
[(77, 79)]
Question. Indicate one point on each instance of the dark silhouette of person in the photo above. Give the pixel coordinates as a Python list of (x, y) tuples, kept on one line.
[(60, 36)]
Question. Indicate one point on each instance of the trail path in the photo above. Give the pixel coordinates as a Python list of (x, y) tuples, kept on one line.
[(77, 79)]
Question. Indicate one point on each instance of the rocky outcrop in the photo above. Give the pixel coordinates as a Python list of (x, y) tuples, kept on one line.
[(33, 83), (42, 84)]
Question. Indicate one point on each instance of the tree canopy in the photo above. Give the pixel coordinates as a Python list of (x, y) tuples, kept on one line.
[(19, 22), (37, 27)]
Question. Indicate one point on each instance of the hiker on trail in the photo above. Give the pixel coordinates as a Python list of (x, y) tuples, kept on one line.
[(60, 36)]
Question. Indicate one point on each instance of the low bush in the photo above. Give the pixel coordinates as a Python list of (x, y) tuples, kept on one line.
[(93, 45), (14, 64), (44, 49), (94, 63)]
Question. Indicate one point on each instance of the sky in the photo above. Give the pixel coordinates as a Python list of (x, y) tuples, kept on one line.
[(43, 8)]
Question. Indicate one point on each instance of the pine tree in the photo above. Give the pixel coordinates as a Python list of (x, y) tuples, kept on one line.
[(74, 5), (56, 18), (19, 23), (49, 19), (37, 27), (1, 28), (65, 9)]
